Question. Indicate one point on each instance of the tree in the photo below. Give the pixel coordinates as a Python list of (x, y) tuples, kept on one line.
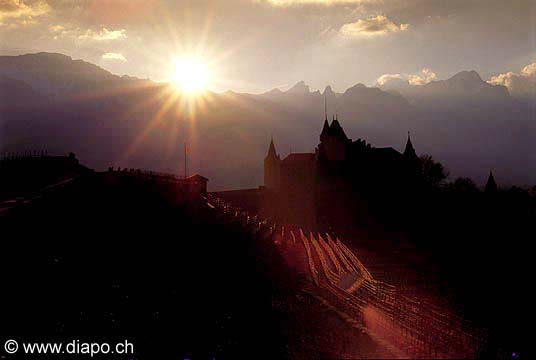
[(433, 173), (463, 184)]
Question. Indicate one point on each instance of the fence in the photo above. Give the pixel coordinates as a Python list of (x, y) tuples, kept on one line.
[(408, 326)]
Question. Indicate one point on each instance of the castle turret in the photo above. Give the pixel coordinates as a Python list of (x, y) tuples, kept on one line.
[(491, 185), (337, 130), (411, 159), (409, 151), (325, 131), (333, 142), (272, 167)]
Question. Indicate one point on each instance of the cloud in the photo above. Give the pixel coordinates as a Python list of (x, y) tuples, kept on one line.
[(60, 31), (19, 12), (56, 28), (423, 77), (520, 84), (81, 36), (371, 27), (104, 34), (114, 56), (529, 71), (385, 78)]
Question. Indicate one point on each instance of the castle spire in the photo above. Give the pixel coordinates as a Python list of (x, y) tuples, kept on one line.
[(491, 185), (272, 163), (325, 128), (271, 149), (409, 151), (336, 129)]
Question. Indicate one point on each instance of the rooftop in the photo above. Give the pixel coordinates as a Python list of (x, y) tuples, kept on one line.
[(296, 158)]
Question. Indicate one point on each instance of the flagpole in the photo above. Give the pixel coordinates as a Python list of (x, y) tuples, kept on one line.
[(185, 164)]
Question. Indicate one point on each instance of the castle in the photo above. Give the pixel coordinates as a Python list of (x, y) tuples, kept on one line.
[(321, 187)]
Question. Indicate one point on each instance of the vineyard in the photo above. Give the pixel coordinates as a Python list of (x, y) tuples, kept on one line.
[(403, 325)]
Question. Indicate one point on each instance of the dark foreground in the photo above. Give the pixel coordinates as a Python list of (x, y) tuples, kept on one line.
[(100, 262)]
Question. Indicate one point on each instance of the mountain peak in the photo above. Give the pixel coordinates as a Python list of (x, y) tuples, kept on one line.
[(328, 90), (52, 63), (56, 75), (274, 91), (36, 59), (467, 76), (464, 86), (299, 88), (356, 87), (50, 55)]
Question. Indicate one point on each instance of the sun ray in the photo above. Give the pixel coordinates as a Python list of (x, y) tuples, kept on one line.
[(150, 126), (163, 92)]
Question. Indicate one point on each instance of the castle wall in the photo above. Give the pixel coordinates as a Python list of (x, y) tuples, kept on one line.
[(298, 192), (330, 189), (272, 173), (333, 149)]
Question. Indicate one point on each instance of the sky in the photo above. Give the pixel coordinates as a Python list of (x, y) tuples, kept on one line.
[(257, 45)]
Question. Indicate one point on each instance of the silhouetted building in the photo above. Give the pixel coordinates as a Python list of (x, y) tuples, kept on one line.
[(334, 143), (321, 187), (491, 185), (196, 183), (27, 172), (272, 168), (409, 151)]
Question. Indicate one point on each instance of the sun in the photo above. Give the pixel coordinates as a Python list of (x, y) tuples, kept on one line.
[(192, 76)]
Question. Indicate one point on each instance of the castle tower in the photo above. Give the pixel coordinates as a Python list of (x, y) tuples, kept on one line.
[(272, 167), (411, 159), (333, 141), (325, 131), (409, 151), (491, 185)]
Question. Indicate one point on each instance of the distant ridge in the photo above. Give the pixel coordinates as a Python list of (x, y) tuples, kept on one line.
[(299, 88), (464, 85), (55, 75), (51, 101)]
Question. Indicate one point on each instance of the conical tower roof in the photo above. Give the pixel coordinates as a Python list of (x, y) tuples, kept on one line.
[(337, 130), (491, 185), (325, 129), (271, 150), (409, 151)]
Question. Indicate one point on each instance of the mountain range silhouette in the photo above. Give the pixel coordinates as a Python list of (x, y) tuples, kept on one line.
[(50, 101)]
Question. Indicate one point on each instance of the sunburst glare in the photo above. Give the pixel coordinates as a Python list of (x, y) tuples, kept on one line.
[(192, 75)]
